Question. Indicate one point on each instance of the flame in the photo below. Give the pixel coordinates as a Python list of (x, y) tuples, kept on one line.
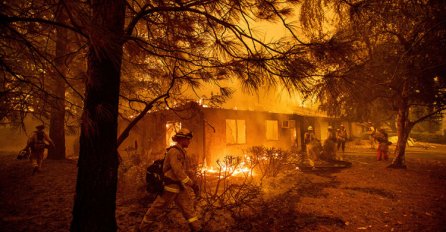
[(229, 170)]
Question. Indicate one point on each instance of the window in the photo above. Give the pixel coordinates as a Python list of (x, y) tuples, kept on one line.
[(272, 130), (171, 129), (235, 131)]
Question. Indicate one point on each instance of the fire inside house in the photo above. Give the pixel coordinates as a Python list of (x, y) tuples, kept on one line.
[(220, 132)]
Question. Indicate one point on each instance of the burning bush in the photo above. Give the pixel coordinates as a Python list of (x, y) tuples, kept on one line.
[(269, 162), (234, 189)]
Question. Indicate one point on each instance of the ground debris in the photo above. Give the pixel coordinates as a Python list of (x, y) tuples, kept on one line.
[(366, 196)]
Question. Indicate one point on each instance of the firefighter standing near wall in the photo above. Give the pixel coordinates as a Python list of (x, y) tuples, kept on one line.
[(341, 138), (37, 143), (330, 145), (311, 145), (179, 186)]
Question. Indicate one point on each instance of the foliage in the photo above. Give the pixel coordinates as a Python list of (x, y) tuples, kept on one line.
[(388, 60), (187, 42), (385, 45), (31, 65), (268, 162), (236, 186)]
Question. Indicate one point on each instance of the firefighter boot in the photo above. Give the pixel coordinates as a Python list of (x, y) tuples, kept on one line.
[(35, 170)]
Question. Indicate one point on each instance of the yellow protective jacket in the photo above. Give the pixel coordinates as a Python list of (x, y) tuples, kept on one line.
[(341, 135), (177, 168)]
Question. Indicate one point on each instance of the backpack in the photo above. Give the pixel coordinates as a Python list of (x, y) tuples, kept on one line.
[(155, 175), (23, 154)]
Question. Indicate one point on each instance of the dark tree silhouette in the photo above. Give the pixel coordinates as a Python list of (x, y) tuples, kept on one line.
[(57, 117)]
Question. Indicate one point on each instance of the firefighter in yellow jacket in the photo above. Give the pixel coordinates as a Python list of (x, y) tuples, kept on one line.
[(37, 143), (178, 187), (312, 145)]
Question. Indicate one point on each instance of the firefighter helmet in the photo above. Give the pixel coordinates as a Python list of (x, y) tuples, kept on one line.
[(183, 133), (310, 128)]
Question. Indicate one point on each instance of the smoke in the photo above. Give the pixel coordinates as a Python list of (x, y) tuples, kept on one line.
[(273, 99)]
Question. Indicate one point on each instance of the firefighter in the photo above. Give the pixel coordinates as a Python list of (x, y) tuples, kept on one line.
[(341, 138), (311, 145), (330, 145), (37, 143), (179, 185), (371, 134), (383, 145)]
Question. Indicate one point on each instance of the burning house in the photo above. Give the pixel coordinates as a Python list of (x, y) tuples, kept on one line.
[(219, 132)]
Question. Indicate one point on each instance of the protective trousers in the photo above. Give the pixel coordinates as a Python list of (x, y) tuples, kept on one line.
[(183, 199), (341, 144), (382, 152), (36, 159), (312, 153)]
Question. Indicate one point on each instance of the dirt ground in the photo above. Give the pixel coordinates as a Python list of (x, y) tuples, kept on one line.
[(368, 196)]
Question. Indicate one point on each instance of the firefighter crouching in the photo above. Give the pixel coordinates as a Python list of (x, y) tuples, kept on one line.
[(178, 186)]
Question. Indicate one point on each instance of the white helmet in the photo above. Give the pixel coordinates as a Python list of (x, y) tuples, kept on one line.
[(310, 128)]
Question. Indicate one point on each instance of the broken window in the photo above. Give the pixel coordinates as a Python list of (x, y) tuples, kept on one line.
[(272, 130), (235, 131)]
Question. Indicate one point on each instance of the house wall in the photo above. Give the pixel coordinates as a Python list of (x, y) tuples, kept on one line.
[(216, 146), (321, 128), (153, 134), (141, 141), (209, 128)]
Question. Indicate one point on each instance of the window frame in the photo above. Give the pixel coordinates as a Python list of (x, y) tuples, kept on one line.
[(237, 128)]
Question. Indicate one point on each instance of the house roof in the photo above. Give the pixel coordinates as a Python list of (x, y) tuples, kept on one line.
[(291, 110)]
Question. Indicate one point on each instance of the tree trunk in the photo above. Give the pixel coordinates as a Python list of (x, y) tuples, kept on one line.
[(95, 199), (403, 130), (57, 124), (57, 119)]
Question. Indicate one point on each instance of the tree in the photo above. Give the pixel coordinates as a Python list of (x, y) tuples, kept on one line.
[(95, 200), (395, 61), (34, 67), (57, 117)]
